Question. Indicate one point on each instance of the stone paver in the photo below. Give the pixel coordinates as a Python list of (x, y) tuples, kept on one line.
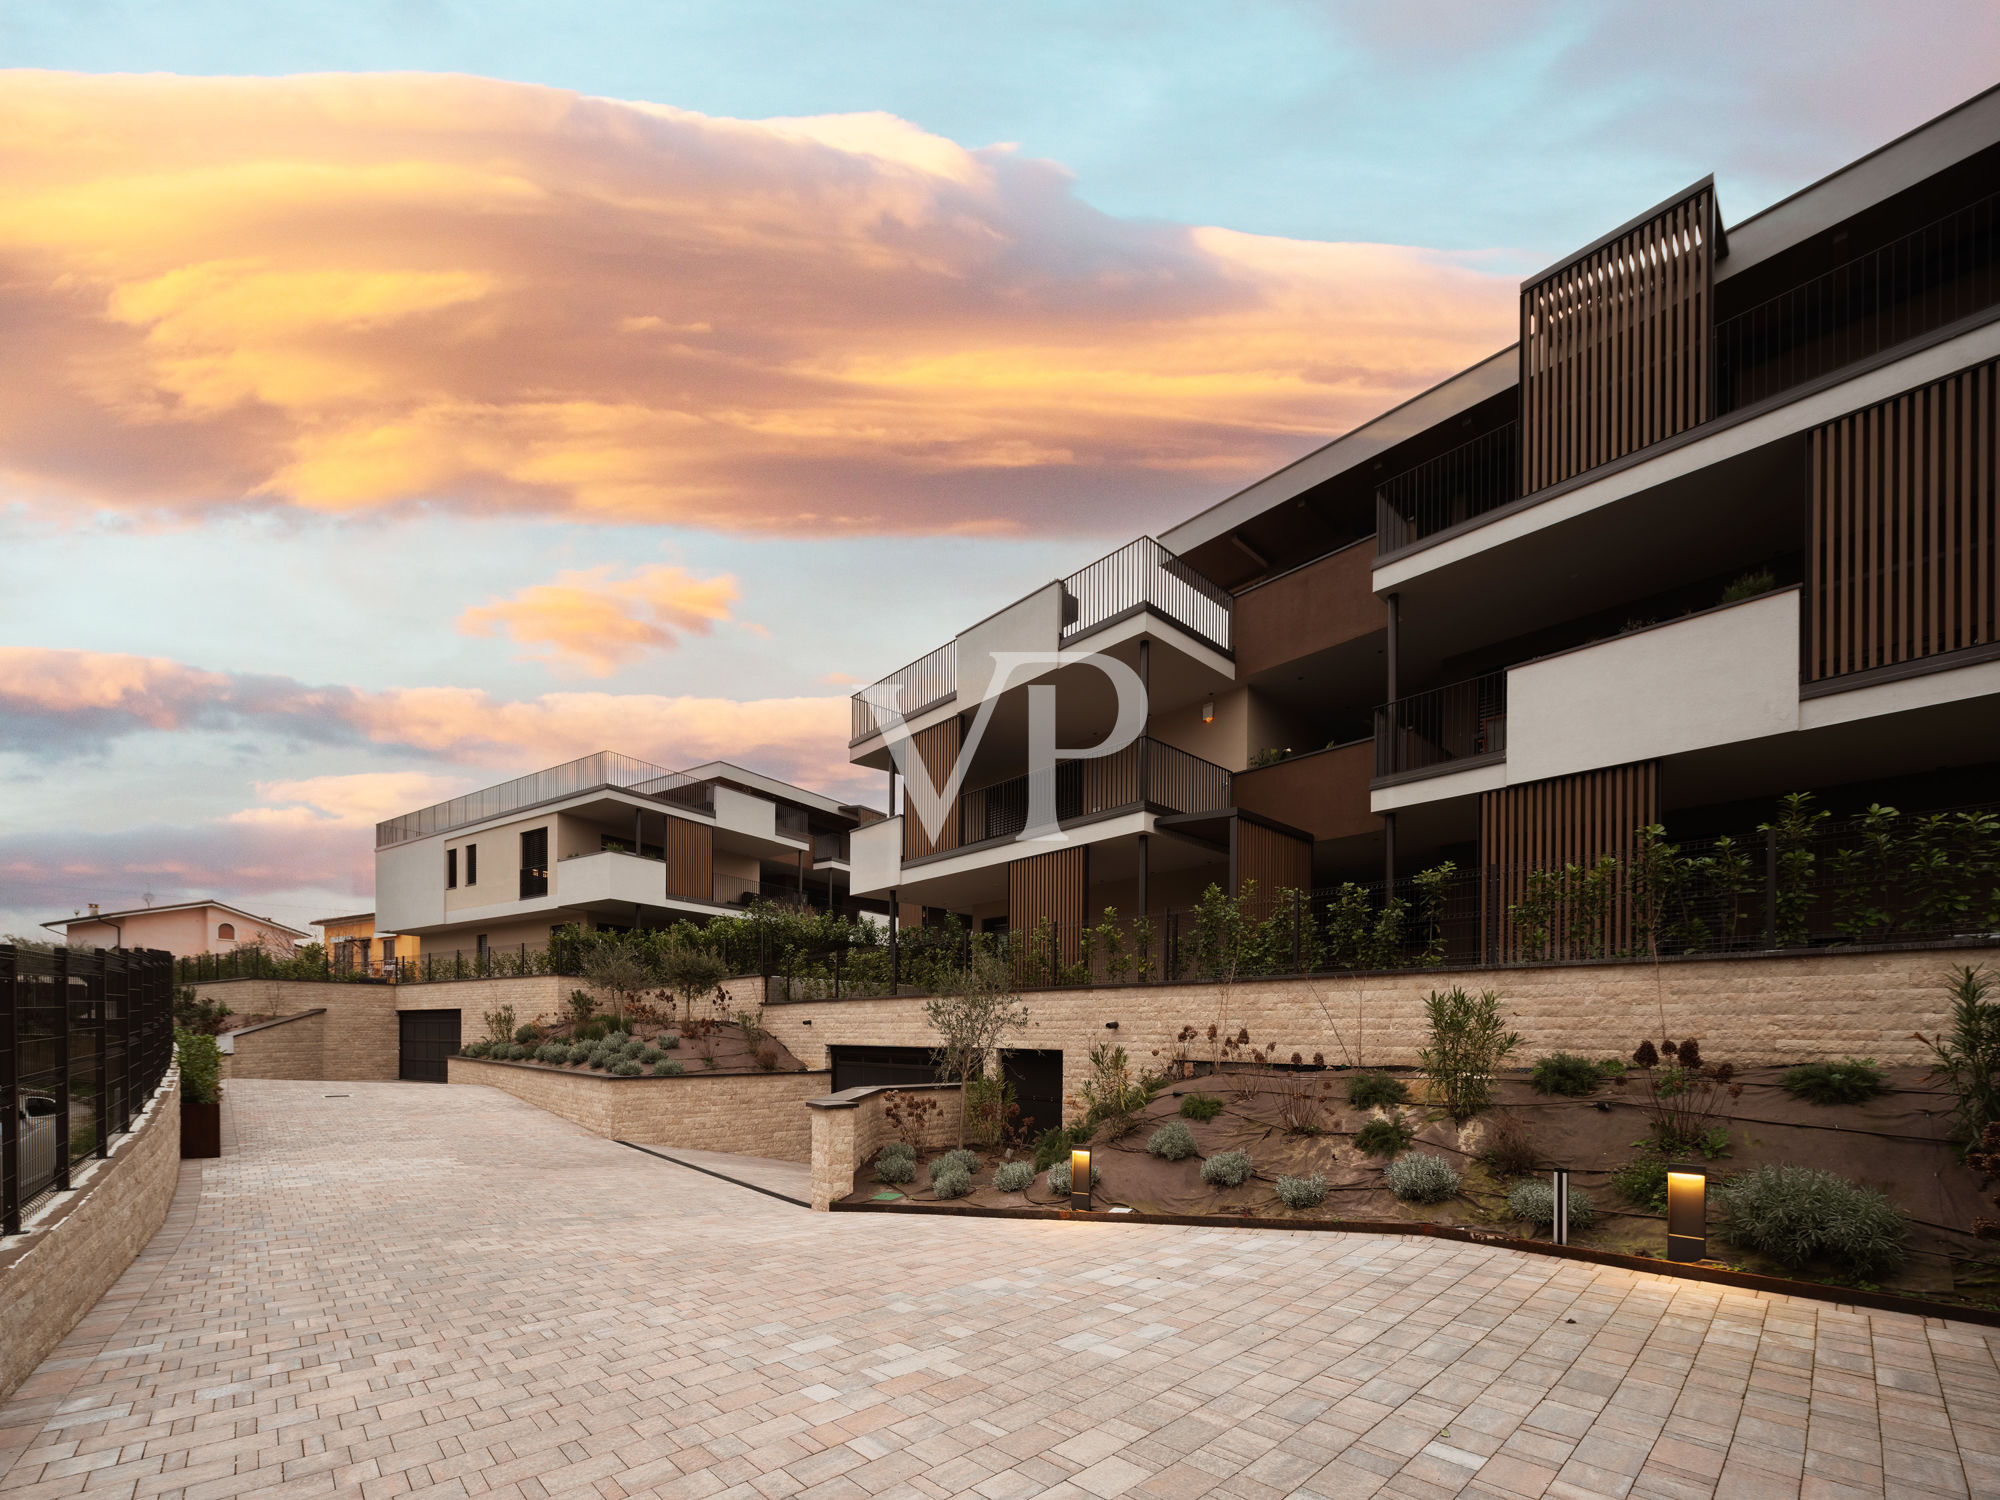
[(443, 1292)]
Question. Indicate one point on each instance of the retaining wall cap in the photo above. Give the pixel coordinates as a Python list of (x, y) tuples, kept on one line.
[(849, 1098), (236, 1031)]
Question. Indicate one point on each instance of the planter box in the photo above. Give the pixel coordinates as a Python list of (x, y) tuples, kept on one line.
[(201, 1130)]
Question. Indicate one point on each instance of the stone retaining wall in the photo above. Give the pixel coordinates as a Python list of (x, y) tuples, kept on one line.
[(80, 1242), (849, 1127), (750, 1114), (1749, 1010), (289, 1047)]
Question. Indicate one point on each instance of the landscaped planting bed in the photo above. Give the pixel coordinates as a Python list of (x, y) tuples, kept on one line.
[(643, 1046), (1866, 1194)]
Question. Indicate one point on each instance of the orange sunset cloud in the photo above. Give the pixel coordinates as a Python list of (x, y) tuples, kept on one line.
[(590, 620), (356, 293)]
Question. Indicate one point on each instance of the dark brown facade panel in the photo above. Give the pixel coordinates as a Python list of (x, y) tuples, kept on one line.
[(1615, 345), (1052, 889), (1903, 518), (1275, 860), (936, 753), (690, 855), (1547, 825)]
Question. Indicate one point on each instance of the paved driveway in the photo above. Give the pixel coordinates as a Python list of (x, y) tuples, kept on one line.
[(414, 1289)]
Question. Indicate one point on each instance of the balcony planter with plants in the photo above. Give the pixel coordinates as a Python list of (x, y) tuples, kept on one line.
[(201, 1094)]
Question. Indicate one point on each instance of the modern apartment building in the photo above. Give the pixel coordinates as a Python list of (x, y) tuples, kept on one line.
[(1719, 527), (606, 841)]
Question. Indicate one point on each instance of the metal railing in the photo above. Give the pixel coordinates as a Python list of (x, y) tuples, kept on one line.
[(605, 768), (1144, 575), (791, 822), (86, 1035), (830, 846), (1947, 270), (924, 683), (1146, 773), (1435, 728), (1471, 479)]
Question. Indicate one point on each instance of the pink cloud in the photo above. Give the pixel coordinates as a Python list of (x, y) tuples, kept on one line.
[(592, 621), (355, 293)]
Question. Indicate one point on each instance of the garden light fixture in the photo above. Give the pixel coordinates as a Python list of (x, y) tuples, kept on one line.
[(1079, 1179), (1687, 1212)]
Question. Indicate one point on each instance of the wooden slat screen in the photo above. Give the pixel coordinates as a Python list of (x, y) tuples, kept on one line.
[(1615, 345), (1052, 888), (1902, 548), (690, 860), (937, 750), (1276, 860), (1545, 825)]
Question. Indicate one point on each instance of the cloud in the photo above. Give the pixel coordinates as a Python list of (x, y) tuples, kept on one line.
[(357, 293), (359, 800), (590, 620), (56, 704)]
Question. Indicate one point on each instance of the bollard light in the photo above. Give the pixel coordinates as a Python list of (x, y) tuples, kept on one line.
[(1559, 1222), (1687, 1212), (1079, 1179)]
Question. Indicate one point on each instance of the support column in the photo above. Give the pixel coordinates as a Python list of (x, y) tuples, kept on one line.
[(1388, 854), (1389, 727)]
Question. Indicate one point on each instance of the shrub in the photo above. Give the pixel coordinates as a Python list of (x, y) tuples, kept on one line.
[(1376, 1091), (1014, 1176), (668, 1068), (632, 1046), (960, 1160), (1509, 1149), (1565, 1073), (516, 1052), (1855, 1081), (1052, 1146), (579, 1055), (1642, 1181), (526, 1032), (201, 1067), (767, 1058), (627, 1067), (667, 1041), (1797, 1215), (1535, 1203), (499, 1024), (1060, 1179), (1384, 1135), (651, 1055), (950, 1182), (1173, 1141), (1303, 1192), (898, 1148), (1227, 1169), (894, 1168), (192, 1013), (1112, 1095), (1968, 1053), (552, 1052), (599, 1058), (473, 1049), (1421, 1178), (1202, 1107), (1466, 1047)]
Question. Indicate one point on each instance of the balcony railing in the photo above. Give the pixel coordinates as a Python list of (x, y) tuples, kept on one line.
[(924, 683), (791, 822), (1932, 276), (829, 847), (1470, 480), (605, 768), (1464, 721), (1144, 575), (1145, 774)]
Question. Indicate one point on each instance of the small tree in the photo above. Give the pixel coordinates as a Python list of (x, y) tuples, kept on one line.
[(971, 1016), (692, 974), (1466, 1048), (621, 971), (1968, 1054)]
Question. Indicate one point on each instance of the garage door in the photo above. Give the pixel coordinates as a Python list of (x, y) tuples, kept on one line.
[(1036, 1076), (429, 1037), (867, 1067)]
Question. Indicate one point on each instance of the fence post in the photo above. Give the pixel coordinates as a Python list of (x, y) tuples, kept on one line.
[(61, 957), (1770, 887), (100, 1077), (1295, 932), (10, 1122), (1490, 937)]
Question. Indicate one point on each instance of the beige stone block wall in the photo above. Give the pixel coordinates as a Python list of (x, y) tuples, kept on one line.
[(292, 1048), (848, 1128), (1746, 1010), (78, 1245), (751, 1114)]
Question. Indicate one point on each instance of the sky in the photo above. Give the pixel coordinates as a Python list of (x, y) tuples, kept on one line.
[(404, 395)]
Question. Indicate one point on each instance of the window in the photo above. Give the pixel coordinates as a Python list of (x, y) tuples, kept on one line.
[(472, 864), (451, 869), (534, 863), (480, 943), (388, 953), (226, 933)]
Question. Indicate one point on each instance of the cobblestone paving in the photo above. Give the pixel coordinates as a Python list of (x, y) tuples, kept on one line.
[(419, 1290)]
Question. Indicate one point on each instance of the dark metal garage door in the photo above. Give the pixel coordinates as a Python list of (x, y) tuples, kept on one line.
[(865, 1067), (429, 1037), (1038, 1087)]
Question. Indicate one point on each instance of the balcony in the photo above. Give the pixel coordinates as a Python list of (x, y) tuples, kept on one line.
[(923, 684), (1146, 775), (829, 848), (604, 769), (615, 877), (1323, 792), (1473, 478), (1445, 729), (1324, 604), (1143, 575)]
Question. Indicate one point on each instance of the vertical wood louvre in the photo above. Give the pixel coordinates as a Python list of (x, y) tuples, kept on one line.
[(690, 860), (1275, 859), (936, 752), (1615, 344), (1902, 548), (1052, 888), (1547, 825)]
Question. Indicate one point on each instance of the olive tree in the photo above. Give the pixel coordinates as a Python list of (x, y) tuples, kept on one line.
[(973, 1012), (621, 970), (692, 974)]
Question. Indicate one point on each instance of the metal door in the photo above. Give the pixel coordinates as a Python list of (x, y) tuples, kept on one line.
[(428, 1038), (1037, 1079)]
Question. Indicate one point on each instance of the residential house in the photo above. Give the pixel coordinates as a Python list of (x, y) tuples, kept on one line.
[(181, 928)]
